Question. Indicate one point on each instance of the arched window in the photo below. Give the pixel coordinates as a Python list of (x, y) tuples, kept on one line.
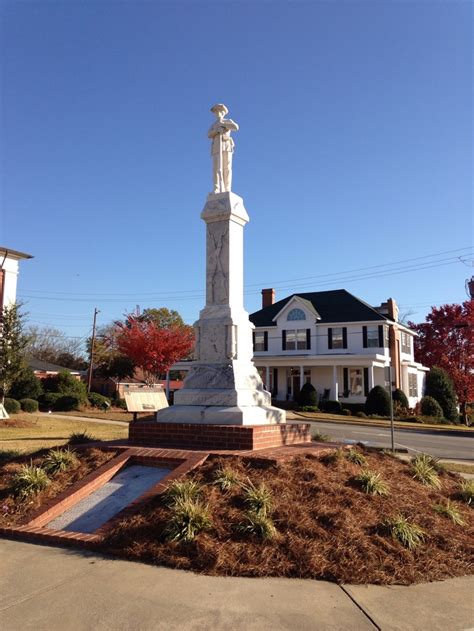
[(296, 314)]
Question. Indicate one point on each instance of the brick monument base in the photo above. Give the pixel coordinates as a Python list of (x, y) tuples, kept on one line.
[(232, 437)]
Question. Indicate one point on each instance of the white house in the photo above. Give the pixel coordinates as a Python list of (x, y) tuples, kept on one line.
[(335, 341), (9, 268)]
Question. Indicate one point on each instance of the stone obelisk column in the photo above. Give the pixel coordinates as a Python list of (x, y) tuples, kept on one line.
[(223, 386)]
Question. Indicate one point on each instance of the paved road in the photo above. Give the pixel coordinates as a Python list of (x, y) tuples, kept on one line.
[(438, 443), (51, 589)]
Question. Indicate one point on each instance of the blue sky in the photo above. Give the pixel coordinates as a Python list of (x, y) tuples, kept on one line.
[(354, 150)]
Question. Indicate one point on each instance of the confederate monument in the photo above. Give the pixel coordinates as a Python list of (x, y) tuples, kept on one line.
[(223, 386)]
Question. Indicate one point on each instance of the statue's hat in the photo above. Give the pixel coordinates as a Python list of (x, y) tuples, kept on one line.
[(219, 107)]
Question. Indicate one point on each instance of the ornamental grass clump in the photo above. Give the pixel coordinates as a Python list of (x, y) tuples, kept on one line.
[(355, 457), (408, 534), (57, 460), (182, 491), (29, 481), (423, 469), (257, 524), (466, 491), (372, 483), (451, 511), (258, 498), (80, 438), (188, 518), (226, 479)]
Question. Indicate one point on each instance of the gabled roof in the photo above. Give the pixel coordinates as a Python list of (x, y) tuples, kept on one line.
[(306, 303), (38, 364), (337, 305)]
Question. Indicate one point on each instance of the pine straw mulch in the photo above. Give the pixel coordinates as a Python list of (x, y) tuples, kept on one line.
[(327, 527), (15, 511)]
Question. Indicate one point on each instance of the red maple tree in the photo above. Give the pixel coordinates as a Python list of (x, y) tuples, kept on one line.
[(446, 340), (153, 348)]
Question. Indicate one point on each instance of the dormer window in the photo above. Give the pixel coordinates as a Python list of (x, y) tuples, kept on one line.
[(296, 314)]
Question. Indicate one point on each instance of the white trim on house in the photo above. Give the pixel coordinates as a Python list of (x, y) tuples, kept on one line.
[(306, 304)]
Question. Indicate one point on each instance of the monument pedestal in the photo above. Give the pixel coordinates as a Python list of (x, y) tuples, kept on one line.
[(223, 387)]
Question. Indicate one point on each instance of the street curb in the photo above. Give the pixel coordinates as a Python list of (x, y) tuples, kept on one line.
[(353, 420)]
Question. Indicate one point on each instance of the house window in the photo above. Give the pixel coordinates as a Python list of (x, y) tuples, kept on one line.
[(259, 341), (337, 337), (373, 337), (296, 314), (412, 384), (296, 340), (406, 343), (356, 386)]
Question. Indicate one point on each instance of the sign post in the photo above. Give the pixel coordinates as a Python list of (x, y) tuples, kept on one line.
[(392, 430)]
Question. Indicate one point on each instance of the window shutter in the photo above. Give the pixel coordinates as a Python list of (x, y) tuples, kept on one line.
[(344, 337), (346, 381), (253, 340), (283, 340), (275, 381), (366, 381), (265, 340), (364, 336), (308, 338), (381, 335), (329, 338)]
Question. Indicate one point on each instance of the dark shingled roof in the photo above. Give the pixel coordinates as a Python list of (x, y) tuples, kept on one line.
[(38, 364), (337, 305)]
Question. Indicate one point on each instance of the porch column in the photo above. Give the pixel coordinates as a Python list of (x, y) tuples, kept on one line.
[(267, 378), (335, 385), (301, 376), (371, 377)]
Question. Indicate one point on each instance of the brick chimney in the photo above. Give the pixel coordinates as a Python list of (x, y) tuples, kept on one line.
[(392, 308), (268, 297)]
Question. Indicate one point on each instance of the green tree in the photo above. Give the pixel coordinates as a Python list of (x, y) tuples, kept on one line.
[(163, 318), (26, 385), (439, 386), (13, 342), (65, 384), (308, 395)]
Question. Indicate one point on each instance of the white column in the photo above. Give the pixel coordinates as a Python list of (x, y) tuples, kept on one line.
[(267, 378), (335, 385), (371, 377), (301, 376)]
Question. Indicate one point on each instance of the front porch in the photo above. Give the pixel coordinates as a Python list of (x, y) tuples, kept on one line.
[(347, 379)]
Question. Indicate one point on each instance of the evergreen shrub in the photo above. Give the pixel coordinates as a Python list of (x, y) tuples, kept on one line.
[(47, 401), (400, 397), (332, 407), (26, 386), (12, 406), (440, 387), (29, 405), (431, 407), (308, 395), (97, 400), (378, 402)]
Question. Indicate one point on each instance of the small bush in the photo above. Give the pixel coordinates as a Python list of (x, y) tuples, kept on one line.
[(97, 400), (355, 407), (12, 406), (47, 401), (29, 405), (308, 408), (68, 402), (431, 407), (189, 518), (378, 402), (258, 524), (26, 386), (451, 511), (466, 491), (335, 456), (372, 483), (8, 454), (29, 481), (67, 385), (80, 438), (226, 479), (331, 407), (59, 460), (355, 457), (408, 534), (308, 395), (361, 414), (424, 471), (258, 498), (119, 403), (182, 491), (346, 412), (319, 437), (398, 396)]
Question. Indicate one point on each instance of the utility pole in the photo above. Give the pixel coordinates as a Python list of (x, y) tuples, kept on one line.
[(89, 377)]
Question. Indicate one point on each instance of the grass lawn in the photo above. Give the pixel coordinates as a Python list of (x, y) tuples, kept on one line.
[(30, 432), (110, 415)]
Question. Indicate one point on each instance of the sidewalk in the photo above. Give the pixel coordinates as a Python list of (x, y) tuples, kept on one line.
[(45, 588)]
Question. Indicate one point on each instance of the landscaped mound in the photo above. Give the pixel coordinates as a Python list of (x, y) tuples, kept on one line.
[(29, 482), (357, 517)]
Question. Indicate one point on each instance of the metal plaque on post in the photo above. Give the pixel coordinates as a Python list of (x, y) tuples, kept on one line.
[(145, 399)]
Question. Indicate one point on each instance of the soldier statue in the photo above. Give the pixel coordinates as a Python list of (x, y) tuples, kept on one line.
[(222, 148)]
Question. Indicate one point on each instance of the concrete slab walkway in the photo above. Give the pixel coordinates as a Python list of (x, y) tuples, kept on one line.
[(52, 588)]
